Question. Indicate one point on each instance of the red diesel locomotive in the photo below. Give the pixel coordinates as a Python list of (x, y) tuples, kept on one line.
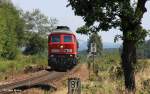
[(62, 48)]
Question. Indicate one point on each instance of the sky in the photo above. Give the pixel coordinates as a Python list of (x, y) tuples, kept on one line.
[(65, 16)]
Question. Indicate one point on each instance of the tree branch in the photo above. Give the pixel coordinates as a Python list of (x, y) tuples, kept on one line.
[(140, 10)]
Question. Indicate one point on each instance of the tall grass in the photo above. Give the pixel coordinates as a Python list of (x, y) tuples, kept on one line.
[(110, 79), (19, 64)]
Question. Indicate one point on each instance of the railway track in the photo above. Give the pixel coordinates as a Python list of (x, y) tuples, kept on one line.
[(37, 78)]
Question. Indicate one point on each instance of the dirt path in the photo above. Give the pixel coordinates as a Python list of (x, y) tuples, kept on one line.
[(81, 73)]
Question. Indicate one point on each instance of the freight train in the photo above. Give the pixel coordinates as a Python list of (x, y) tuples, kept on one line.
[(62, 48)]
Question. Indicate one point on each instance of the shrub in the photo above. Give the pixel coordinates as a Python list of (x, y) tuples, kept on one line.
[(146, 86), (116, 72)]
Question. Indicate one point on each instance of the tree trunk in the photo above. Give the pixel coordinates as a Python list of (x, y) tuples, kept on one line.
[(128, 61)]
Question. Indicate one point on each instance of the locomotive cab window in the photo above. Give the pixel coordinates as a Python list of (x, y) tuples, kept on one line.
[(55, 38), (68, 38)]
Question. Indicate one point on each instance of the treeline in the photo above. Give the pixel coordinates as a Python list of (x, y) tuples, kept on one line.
[(144, 50), (22, 31)]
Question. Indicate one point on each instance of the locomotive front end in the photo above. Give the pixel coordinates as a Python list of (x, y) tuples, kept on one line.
[(62, 51)]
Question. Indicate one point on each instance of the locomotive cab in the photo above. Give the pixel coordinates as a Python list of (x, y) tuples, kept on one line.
[(62, 49)]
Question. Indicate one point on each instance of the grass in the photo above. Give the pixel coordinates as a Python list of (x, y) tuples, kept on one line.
[(110, 79), (19, 64)]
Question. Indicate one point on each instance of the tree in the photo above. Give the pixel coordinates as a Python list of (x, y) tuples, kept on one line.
[(9, 16), (122, 14), (36, 45), (20, 29), (37, 28), (95, 38), (38, 22)]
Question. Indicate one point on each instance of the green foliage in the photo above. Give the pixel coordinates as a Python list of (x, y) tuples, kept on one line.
[(108, 61), (20, 62), (116, 72), (35, 45), (36, 30), (102, 12), (38, 22), (9, 17), (83, 30), (20, 30), (110, 75), (104, 15), (95, 38)]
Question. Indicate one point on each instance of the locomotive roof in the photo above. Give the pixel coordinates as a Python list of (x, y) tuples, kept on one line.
[(62, 31)]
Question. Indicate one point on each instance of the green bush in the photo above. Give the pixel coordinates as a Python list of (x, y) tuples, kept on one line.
[(116, 72), (37, 44)]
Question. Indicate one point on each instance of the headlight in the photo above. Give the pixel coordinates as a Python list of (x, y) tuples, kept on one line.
[(61, 46), (51, 55), (67, 50)]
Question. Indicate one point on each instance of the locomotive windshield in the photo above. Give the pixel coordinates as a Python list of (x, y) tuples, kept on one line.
[(68, 38), (55, 38)]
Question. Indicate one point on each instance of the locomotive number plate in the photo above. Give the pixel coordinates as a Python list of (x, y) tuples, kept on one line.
[(55, 50)]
